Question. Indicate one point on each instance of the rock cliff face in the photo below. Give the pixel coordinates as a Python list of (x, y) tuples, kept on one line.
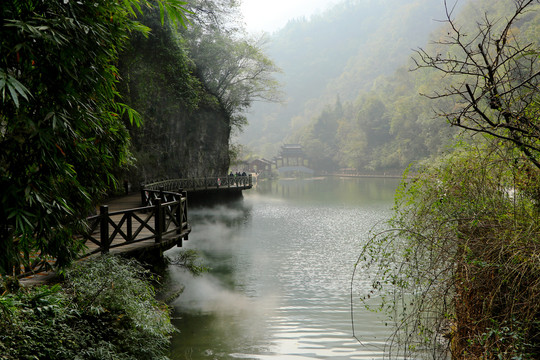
[(185, 131)]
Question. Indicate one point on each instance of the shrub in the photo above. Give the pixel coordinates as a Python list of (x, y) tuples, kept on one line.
[(106, 310), (458, 269)]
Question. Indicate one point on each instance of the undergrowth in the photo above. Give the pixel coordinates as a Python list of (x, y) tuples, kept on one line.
[(457, 271), (106, 309)]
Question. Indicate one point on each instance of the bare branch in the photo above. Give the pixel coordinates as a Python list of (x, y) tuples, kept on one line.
[(493, 80)]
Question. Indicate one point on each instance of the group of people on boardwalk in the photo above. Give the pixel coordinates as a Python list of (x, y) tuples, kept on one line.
[(234, 178)]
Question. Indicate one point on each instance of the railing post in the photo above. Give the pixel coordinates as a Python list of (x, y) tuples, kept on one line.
[(178, 214), (129, 227), (161, 196), (250, 180), (179, 217), (143, 195), (104, 228), (185, 212), (157, 220)]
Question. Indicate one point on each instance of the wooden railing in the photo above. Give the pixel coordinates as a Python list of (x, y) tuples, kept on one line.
[(163, 216), (201, 184)]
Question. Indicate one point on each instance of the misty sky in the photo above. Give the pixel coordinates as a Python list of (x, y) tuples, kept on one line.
[(265, 15)]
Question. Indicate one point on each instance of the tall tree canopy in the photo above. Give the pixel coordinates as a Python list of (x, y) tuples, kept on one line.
[(232, 66), (61, 133)]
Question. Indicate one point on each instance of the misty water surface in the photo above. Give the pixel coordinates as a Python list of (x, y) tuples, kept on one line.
[(281, 263)]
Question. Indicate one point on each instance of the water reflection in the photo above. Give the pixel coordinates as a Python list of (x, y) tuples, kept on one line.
[(344, 191), (281, 264)]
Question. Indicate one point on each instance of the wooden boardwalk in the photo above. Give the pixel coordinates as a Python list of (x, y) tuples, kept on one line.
[(141, 224), (144, 240), (125, 227), (203, 184)]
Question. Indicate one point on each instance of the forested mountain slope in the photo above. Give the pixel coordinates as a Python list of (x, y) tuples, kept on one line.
[(339, 52), (372, 116)]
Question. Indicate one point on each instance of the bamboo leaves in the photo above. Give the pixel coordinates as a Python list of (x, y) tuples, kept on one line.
[(62, 136), (14, 89)]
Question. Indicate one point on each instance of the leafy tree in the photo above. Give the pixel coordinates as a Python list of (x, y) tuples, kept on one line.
[(61, 134), (232, 66), (215, 15), (373, 121), (320, 155), (320, 140), (457, 267), (497, 78), (352, 145)]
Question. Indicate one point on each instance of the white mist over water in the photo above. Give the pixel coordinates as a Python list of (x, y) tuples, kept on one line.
[(281, 265)]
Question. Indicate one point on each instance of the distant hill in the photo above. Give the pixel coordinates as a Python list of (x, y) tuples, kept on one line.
[(340, 52)]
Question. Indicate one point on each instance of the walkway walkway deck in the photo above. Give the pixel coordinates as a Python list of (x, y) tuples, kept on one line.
[(142, 233), (146, 222), (116, 209)]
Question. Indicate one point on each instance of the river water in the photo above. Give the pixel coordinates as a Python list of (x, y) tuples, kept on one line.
[(281, 262)]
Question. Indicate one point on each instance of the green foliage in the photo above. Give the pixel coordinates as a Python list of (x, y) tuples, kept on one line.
[(176, 10), (387, 124), (14, 87), (158, 81), (61, 135), (320, 139), (186, 130), (459, 260), (106, 311), (125, 290), (382, 130), (192, 86), (189, 260), (456, 270), (232, 66)]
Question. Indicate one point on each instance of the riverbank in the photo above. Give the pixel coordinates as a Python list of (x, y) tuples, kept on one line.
[(463, 254)]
